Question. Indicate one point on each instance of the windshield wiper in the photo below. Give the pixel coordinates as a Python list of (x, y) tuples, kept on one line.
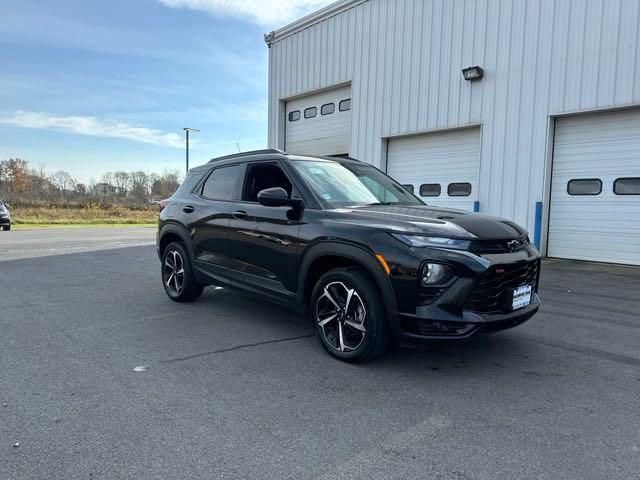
[(381, 203)]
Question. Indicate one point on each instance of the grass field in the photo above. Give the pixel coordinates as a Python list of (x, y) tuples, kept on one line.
[(54, 216)]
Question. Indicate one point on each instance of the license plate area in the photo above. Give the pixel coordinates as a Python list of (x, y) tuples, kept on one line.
[(519, 297)]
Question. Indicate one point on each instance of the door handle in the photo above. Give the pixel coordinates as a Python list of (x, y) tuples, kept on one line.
[(188, 209), (239, 214)]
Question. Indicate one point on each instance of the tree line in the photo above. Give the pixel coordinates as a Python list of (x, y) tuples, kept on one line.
[(20, 183)]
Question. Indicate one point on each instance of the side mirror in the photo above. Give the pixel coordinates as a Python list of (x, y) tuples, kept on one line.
[(273, 197), (277, 197)]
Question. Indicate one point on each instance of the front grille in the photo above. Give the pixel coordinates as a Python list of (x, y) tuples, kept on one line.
[(488, 296), (499, 246)]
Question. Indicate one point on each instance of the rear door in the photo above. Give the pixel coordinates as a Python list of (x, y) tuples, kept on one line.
[(210, 217)]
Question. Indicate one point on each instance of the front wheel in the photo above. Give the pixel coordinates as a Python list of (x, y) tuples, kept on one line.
[(177, 275), (348, 315), (6, 228)]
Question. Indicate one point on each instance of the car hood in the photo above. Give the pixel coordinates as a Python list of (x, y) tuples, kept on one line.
[(429, 220)]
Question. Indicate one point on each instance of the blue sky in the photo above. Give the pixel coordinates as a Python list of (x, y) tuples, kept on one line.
[(91, 86)]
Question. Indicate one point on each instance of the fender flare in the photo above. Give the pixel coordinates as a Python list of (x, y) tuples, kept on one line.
[(365, 258), (180, 231)]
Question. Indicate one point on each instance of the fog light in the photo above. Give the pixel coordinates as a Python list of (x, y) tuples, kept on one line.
[(435, 273)]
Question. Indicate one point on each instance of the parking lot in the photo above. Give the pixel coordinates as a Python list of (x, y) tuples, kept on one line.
[(236, 388)]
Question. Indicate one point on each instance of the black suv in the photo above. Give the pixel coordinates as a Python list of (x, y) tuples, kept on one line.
[(343, 241), (5, 216)]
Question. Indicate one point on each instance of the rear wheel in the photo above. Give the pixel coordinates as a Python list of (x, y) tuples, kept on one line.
[(348, 315), (177, 275)]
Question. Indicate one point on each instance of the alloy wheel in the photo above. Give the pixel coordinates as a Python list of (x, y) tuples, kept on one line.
[(341, 316), (173, 272)]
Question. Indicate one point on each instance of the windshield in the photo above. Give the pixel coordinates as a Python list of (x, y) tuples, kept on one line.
[(346, 185)]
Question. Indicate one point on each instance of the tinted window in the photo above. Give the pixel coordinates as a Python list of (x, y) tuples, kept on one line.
[(627, 186), (462, 189), (430, 190), (584, 186), (408, 188), (221, 183), (345, 105), (311, 112), (328, 109), (294, 116), (261, 176)]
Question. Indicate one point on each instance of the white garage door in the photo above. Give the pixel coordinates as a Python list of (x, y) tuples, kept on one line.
[(319, 124), (442, 168), (595, 189)]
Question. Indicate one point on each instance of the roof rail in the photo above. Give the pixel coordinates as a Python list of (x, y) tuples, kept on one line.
[(248, 154)]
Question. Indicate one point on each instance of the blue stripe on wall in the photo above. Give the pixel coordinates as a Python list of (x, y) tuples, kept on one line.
[(476, 206), (537, 231)]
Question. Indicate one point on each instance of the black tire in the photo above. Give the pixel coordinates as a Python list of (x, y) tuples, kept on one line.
[(340, 336), (190, 289), (6, 228)]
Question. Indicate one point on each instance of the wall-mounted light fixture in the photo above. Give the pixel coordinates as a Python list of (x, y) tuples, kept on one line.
[(472, 73)]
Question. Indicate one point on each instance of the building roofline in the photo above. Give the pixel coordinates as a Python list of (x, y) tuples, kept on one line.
[(311, 19)]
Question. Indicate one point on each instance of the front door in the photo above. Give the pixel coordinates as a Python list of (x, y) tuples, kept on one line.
[(263, 240)]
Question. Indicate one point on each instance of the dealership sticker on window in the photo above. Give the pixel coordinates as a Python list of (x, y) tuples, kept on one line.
[(521, 297)]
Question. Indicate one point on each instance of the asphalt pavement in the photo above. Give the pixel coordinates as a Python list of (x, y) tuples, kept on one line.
[(231, 387)]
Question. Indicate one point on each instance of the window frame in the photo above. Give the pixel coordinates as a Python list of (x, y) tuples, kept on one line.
[(584, 194), (234, 195), (291, 113), (330, 104), (624, 178), (459, 183), (340, 109), (308, 117), (430, 184)]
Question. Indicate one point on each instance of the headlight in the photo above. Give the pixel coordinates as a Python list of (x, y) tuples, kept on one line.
[(422, 241), (435, 274)]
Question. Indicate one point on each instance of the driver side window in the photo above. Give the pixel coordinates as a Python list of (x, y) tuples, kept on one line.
[(261, 176)]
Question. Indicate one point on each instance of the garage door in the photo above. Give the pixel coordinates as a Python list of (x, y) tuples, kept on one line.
[(319, 124), (442, 168), (595, 189)]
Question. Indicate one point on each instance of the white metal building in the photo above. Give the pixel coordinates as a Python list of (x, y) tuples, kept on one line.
[(549, 137)]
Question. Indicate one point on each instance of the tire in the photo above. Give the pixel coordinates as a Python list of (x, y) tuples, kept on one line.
[(6, 228), (176, 266), (357, 333)]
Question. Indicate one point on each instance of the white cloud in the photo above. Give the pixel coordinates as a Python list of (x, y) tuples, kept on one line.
[(92, 126), (271, 13)]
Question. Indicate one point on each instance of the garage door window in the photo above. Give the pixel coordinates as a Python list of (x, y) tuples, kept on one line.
[(430, 190), (328, 109), (627, 186), (345, 105), (408, 188), (311, 112), (584, 186), (462, 189), (294, 116)]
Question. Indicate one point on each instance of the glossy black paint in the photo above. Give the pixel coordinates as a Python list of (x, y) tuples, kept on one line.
[(277, 252)]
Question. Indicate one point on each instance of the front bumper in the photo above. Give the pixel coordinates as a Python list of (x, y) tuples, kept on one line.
[(460, 312)]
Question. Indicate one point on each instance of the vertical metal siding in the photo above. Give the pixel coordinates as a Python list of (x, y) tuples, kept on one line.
[(403, 57)]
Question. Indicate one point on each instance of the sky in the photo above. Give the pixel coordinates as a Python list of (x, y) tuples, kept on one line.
[(91, 86)]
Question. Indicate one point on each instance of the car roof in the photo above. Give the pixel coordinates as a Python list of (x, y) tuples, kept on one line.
[(269, 154)]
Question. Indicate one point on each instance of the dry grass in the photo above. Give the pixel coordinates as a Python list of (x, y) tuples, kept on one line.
[(116, 215)]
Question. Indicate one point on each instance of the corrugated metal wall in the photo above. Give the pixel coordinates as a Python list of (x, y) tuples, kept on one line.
[(404, 59)]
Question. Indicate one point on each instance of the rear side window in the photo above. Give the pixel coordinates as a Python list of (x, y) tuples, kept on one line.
[(430, 190), (460, 189), (584, 186), (408, 188), (221, 184), (311, 112), (345, 105), (627, 186), (294, 116)]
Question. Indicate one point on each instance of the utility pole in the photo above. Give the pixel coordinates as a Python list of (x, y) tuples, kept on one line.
[(187, 130)]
